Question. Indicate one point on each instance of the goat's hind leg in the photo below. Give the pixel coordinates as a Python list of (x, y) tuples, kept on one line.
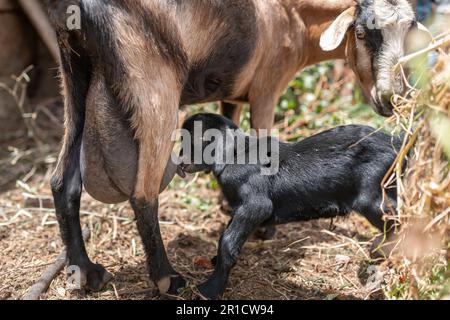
[(153, 157), (160, 269), (66, 181), (154, 117)]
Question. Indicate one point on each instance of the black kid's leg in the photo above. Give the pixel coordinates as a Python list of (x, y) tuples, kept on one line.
[(244, 223)]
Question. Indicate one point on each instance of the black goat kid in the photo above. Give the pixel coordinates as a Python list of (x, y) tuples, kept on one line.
[(327, 175)]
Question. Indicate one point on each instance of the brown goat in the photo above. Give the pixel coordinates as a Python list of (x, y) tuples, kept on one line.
[(133, 63)]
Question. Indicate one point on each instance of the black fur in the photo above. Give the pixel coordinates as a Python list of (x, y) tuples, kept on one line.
[(68, 187), (148, 226), (327, 175), (365, 17)]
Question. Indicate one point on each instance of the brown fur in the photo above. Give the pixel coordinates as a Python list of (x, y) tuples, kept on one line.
[(288, 41)]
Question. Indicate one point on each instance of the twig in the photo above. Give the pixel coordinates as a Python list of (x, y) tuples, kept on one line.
[(50, 273), (19, 92), (443, 42), (298, 241), (39, 19), (436, 220)]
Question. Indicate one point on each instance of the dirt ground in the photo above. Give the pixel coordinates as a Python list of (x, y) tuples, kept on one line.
[(313, 260)]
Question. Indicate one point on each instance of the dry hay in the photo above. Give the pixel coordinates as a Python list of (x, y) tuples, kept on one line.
[(305, 260), (420, 263)]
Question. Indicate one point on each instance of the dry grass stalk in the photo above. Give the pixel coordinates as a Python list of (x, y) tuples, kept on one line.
[(422, 259)]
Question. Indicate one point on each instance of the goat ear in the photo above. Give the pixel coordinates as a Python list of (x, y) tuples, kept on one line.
[(333, 36)]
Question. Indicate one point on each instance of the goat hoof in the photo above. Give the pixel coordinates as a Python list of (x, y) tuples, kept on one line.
[(97, 278), (171, 284), (177, 282), (93, 277), (266, 233), (207, 292)]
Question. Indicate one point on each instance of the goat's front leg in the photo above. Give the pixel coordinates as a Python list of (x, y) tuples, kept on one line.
[(262, 113), (262, 117), (245, 221), (370, 208), (66, 181), (231, 111)]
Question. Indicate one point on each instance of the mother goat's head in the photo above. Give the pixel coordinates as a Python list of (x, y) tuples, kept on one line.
[(375, 32)]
